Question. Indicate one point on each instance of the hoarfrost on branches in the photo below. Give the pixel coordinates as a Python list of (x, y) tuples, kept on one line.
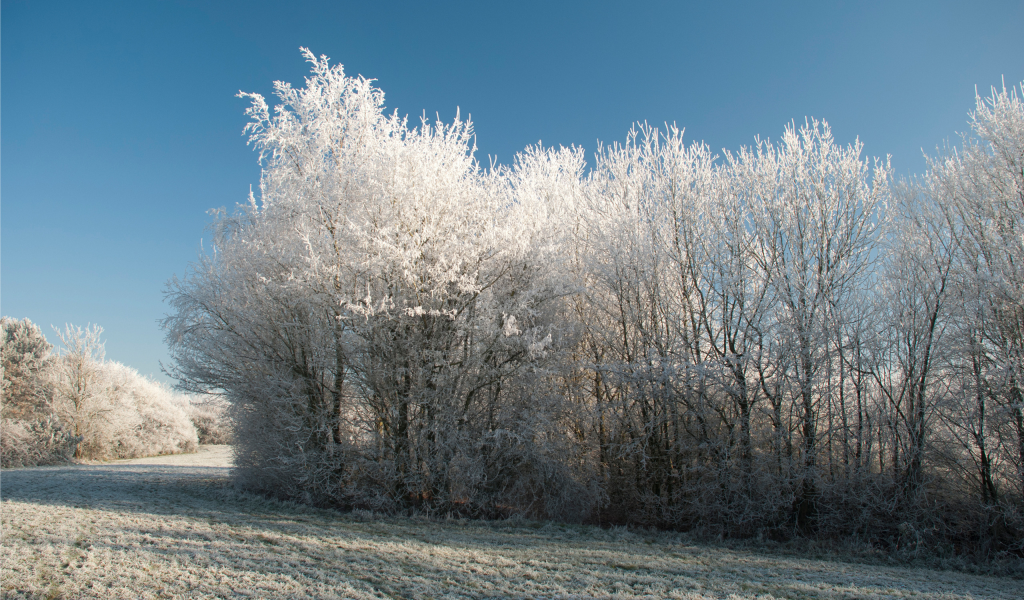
[(75, 405), (778, 341)]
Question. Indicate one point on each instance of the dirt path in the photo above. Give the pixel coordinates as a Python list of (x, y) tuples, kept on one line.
[(172, 527)]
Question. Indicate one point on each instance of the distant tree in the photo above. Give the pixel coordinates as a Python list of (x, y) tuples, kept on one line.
[(209, 416), (80, 397), (150, 418), (75, 404), (30, 434), (115, 411), (25, 356)]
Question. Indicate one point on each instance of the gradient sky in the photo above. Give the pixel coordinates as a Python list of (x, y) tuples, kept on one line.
[(120, 126)]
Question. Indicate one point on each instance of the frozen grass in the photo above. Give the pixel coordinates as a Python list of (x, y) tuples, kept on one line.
[(172, 527)]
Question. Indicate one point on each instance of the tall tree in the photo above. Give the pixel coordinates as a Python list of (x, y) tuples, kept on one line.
[(984, 183), (817, 224)]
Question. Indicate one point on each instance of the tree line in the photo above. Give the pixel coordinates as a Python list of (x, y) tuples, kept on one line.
[(785, 340), (73, 405)]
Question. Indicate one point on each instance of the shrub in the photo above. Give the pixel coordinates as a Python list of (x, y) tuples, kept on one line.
[(156, 418), (78, 405), (44, 441), (211, 422)]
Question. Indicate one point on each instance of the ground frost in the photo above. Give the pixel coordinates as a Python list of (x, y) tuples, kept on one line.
[(172, 527)]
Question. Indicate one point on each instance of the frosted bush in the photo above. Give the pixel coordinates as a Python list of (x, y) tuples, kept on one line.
[(383, 319), (155, 418), (43, 441), (210, 420), (76, 404)]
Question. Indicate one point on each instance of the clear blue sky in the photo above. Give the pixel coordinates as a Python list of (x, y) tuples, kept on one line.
[(120, 127)]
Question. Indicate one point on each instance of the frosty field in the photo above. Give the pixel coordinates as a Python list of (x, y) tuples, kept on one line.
[(172, 527)]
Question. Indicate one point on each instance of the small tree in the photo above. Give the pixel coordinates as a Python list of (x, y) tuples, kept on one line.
[(79, 395)]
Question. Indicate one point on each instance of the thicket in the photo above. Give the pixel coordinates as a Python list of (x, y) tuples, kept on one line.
[(59, 407), (777, 342)]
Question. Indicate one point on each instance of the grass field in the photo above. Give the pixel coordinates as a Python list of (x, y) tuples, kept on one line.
[(172, 527)]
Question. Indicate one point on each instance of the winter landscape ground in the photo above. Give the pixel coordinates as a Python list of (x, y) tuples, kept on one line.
[(173, 527)]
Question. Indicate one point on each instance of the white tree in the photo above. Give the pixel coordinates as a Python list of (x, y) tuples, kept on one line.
[(30, 433), (817, 222), (919, 290), (80, 394), (373, 316), (25, 359), (984, 183)]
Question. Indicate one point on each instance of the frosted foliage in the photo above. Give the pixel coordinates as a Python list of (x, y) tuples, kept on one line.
[(210, 418), (115, 411), (779, 341), (381, 320), (30, 434), (39, 441), (982, 189), (74, 404), (155, 418), (24, 355)]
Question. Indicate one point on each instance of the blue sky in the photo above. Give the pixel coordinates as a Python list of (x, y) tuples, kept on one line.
[(120, 126)]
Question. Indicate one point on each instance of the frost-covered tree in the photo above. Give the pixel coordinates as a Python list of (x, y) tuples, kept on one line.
[(80, 397), (652, 307), (984, 184), (380, 319), (26, 357), (917, 309), (75, 403), (776, 342), (712, 289), (30, 434), (817, 223), (113, 410)]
